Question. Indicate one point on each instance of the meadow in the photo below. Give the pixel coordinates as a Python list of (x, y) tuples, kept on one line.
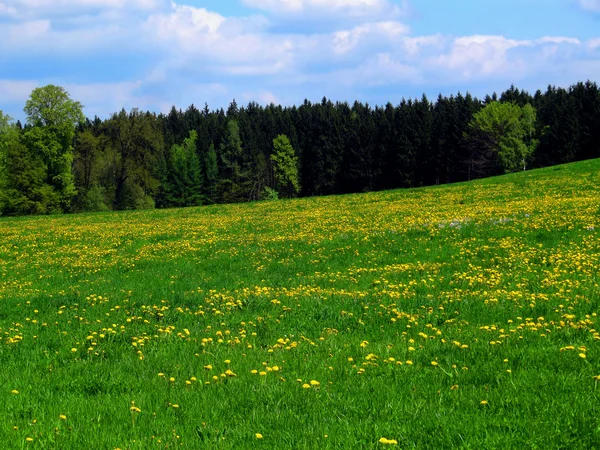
[(460, 316)]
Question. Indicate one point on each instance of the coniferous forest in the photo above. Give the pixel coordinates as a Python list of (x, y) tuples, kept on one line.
[(58, 161)]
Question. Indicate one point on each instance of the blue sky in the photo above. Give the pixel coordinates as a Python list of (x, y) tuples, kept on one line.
[(152, 54)]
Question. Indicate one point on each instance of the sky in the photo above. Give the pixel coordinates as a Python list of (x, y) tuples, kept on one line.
[(155, 54)]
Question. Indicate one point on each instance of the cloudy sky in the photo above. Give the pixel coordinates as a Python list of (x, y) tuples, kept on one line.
[(153, 54)]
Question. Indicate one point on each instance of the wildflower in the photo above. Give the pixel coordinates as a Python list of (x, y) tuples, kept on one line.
[(258, 436), (208, 367), (385, 441), (484, 402), (315, 383), (254, 371), (582, 355), (135, 409), (227, 361), (172, 380), (263, 373), (62, 417), (74, 350), (28, 439), (306, 386), (161, 374), (175, 406), (434, 363), (14, 391)]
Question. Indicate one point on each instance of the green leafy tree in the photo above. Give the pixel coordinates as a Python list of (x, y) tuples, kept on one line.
[(186, 179), (285, 166), (502, 136), (7, 133), (52, 116)]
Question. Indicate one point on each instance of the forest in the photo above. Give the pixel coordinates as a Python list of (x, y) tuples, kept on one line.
[(58, 161)]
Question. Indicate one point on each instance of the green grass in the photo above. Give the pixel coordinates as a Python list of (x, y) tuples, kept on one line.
[(496, 282)]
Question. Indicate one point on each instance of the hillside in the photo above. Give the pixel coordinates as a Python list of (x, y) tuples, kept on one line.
[(453, 316)]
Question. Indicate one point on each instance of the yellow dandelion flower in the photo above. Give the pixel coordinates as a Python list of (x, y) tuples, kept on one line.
[(28, 439), (306, 386), (582, 355), (172, 380), (175, 406), (74, 350), (386, 441), (14, 391), (263, 374), (484, 402), (62, 417), (208, 367), (258, 436), (161, 374), (315, 383), (434, 363)]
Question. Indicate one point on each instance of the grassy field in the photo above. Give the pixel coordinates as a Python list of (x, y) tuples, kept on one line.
[(453, 316)]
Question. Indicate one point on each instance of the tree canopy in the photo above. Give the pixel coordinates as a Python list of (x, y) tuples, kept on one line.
[(61, 162)]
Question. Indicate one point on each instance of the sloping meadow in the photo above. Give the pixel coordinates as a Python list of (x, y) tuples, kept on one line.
[(452, 316)]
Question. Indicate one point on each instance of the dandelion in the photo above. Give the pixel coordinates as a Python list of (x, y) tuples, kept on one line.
[(161, 375), (315, 383), (208, 367), (175, 406), (582, 355), (434, 363), (14, 392), (306, 386), (28, 439), (263, 373), (258, 436), (62, 417), (484, 402), (386, 441), (172, 379), (74, 350)]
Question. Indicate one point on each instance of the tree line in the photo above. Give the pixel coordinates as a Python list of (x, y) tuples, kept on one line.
[(59, 161)]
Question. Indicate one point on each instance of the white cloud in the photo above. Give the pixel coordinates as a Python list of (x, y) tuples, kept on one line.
[(359, 8), (37, 8), (347, 40), (178, 54), (590, 5)]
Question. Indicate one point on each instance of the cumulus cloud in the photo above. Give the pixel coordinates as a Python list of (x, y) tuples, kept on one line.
[(153, 53), (55, 8), (359, 8)]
